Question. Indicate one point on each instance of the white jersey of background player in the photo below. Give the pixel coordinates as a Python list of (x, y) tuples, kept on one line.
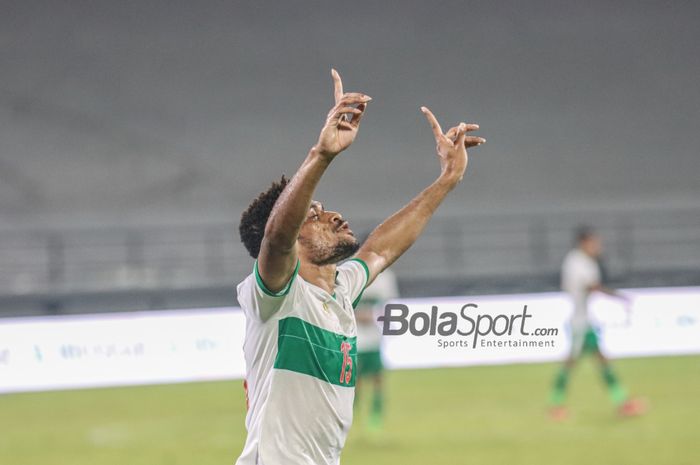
[(580, 274), (383, 289)]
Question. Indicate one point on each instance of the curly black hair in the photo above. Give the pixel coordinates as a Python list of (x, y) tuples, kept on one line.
[(254, 218)]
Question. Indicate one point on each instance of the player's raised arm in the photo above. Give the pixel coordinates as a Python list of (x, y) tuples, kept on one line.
[(278, 255), (395, 235)]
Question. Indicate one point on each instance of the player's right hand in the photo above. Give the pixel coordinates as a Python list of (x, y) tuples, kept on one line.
[(343, 120)]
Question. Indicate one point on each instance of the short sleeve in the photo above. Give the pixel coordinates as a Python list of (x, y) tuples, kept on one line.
[(383, 288), (257, 299), (354, 275)]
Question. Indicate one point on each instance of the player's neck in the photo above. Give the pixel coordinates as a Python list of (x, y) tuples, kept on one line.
[(322, 276), (587, 253)]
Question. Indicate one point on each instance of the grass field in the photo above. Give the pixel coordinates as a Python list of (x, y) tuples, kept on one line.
[(478, 415)]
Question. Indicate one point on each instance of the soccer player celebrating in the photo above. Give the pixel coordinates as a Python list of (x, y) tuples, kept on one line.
[(300, 329), (580, 277)]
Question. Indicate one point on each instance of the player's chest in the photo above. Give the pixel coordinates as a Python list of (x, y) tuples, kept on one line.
[(330, 313)]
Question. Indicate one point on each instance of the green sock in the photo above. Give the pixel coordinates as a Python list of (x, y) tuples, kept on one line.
[(377, 402), (559, 390), (617, 393), (375, 417)]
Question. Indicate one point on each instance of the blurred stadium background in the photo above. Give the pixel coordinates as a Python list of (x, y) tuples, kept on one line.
[(133, 134)]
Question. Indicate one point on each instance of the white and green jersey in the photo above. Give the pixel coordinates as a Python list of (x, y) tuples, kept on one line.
[(578, 274), (300, 352)]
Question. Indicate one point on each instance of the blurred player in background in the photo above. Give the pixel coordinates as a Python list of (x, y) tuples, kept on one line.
[(581, 276), (369, 341), (300, 343)]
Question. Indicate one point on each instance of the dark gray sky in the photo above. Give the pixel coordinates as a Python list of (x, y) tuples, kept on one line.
[(132, 112)]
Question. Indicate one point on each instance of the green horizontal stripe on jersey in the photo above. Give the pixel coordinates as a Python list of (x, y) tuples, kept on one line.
[(310, 350)]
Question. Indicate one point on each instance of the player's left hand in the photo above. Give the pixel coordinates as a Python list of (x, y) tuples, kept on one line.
[(452, 147)]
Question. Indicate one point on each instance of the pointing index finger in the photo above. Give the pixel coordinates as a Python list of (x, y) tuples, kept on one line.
[(437, 130), (337, 85)]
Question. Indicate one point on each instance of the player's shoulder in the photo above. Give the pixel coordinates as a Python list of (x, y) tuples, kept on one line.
[(354, 265), (256, 300), (353, 272), (253, 284), (572, 255), (576, 257), (351, 279)]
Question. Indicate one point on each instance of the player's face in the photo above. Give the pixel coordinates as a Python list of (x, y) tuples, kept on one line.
[(326, 237), (593, 246)]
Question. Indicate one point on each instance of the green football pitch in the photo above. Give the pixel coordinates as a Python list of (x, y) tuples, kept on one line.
[(475, 415)]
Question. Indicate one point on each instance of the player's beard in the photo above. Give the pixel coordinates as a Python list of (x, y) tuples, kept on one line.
[(326, 255)]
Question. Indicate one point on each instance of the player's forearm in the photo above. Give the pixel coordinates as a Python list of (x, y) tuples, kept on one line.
[(396, 235), (287, 216), (608, 291)]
